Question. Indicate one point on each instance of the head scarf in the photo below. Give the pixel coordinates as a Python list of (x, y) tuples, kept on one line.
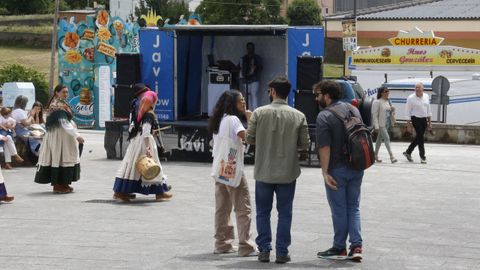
[(147, 102)]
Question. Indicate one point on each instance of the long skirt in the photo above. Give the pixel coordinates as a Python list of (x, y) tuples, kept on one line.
[(129, 180), (58, 160), (3, 190)]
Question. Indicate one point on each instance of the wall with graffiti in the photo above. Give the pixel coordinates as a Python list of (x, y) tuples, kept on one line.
[(86, 53)]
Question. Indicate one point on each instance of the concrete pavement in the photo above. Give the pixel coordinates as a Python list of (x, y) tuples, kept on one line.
[(414, 216)]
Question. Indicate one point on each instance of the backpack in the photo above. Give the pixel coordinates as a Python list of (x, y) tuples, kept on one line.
[(359, 143)]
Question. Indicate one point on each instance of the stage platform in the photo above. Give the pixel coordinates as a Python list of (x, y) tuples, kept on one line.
[(184, 141)]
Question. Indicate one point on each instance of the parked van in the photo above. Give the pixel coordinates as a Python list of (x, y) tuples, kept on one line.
[(463, 107)]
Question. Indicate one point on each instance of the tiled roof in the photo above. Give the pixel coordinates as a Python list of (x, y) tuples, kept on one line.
[(440, 10)]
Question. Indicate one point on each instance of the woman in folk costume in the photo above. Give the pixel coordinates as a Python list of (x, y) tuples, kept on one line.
[(143, 123), (4, 197), (59, 160)]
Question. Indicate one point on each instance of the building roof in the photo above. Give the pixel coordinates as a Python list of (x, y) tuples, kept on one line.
[(439, 10), (377, 9)]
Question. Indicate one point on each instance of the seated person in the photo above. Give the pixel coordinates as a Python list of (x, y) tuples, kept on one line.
[(23, 123), (7, 124), (36, 113)]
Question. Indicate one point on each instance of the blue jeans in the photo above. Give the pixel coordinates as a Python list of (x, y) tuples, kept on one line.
[(345, 206), (264, 200)]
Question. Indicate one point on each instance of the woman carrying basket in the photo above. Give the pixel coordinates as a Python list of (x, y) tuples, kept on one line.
[(143, 123)]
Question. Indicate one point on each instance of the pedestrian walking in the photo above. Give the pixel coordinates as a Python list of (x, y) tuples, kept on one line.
[(59, 159), (419, 112), (143, 124), (383, 116), (225, 122), (278, 131), (342, 184)]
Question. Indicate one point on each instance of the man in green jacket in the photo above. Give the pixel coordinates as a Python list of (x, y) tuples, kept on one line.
[(278, 131)]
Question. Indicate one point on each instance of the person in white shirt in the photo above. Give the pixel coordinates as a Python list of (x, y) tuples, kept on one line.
[(419, 111), (21, 129), (7, 124), (225, 121)]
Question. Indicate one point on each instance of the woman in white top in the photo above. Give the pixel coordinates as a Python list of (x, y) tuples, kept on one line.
[(383, 116), (21, 116), (21, 129), (225, 121)]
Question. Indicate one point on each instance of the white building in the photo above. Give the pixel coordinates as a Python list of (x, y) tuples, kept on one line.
[(123, 8)]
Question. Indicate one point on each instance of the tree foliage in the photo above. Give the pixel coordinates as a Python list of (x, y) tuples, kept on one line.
[(304, 12), (240, 12), (166, 8), (20, 73), (22, 7)]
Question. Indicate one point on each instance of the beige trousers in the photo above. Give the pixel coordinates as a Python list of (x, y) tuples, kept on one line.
[(238, 198)]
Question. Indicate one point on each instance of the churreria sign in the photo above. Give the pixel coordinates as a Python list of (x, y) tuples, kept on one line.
[(398, 41), (416, 48)]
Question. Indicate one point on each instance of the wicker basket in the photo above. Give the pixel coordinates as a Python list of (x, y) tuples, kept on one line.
[(147, 167)]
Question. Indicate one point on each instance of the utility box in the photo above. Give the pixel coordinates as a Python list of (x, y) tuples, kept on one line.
[(11, 90)]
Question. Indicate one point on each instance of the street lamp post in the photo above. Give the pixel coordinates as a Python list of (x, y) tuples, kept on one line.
[(54, 47)]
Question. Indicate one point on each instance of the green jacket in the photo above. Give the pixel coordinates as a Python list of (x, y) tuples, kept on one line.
[(278, 131)]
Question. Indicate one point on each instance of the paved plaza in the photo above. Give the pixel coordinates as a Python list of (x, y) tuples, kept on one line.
[(414, 216)]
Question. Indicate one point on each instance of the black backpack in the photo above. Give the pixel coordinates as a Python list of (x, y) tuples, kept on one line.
[(359, 144)]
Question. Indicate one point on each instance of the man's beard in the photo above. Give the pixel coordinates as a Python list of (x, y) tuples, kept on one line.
[(322, 103), (271, 98)]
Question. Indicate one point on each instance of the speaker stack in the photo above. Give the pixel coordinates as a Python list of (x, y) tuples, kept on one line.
[(128, 73), (309, 72)]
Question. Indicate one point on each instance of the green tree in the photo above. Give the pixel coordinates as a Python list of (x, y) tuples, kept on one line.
[(240, 12), (165, 8), (304, 12), (21, 7), (19, 73)]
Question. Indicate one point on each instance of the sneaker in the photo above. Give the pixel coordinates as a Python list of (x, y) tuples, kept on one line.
[(333, 253), (283, 259), (264, 256), (251, 254), (408, 156), (224, 251), (423, 161), (355, 254)]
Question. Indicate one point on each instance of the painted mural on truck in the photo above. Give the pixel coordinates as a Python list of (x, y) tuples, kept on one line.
[(87, 62)]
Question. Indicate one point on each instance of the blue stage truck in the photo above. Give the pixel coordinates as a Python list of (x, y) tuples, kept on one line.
[(191, 66)]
